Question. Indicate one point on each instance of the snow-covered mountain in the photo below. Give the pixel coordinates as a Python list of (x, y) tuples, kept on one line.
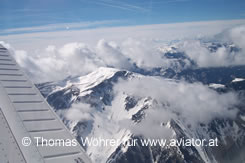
[(93, 106)]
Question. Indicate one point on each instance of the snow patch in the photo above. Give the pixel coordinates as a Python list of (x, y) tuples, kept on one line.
[(216, 86), (237, 80)]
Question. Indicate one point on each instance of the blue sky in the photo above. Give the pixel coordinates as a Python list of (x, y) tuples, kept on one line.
[(30, 13)]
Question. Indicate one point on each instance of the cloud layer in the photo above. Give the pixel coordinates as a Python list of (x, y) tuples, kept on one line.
[(78, 58), (160, 32)]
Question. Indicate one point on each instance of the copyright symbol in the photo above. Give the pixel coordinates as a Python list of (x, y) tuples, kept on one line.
[(26, 141)]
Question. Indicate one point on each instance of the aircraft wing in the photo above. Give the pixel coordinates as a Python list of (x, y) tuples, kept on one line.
[(27, 121)]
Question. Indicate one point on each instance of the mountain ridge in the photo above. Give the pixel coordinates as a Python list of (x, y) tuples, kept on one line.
[(96, 89)]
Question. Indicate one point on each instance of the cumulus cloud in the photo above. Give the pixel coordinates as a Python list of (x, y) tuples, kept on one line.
[(111, 54), (144, 53), (56, 63), (198, 52), (203, 57), (80, 112)]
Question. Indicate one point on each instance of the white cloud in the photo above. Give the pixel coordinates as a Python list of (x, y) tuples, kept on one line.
[(144, 53), (58, 63), (237, 35), (198, 52), (80, 112), (110, 53), (204, 58)]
